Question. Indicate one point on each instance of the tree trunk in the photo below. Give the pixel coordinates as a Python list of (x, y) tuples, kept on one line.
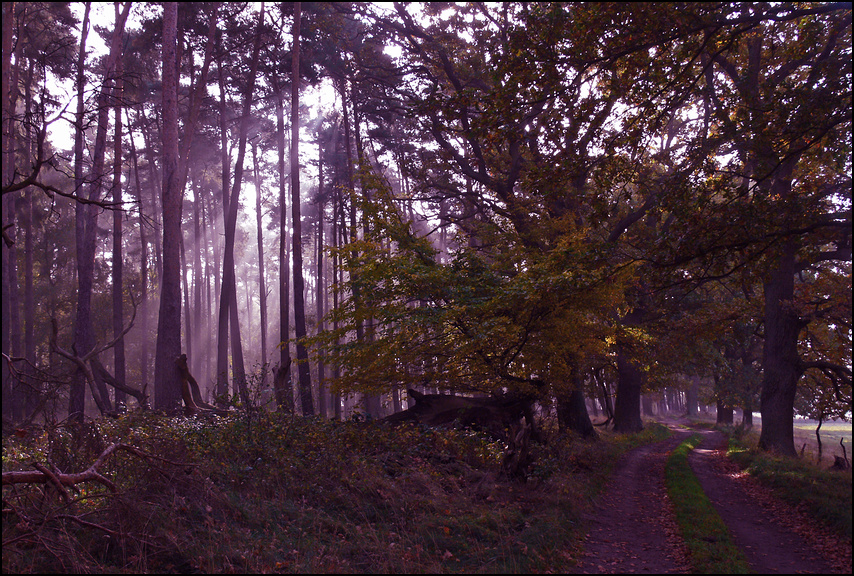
[(118, 254), (10, 280), (572, 409), (229, 284), (209, 306), (87, 225), (283, 386), (11, 209), (189, 344), (320, 295), (299, 285), (77, 391), (197, 93), (167, 378), (818, 437), (199, 89), (202, 338), (238, 366), (6, 84), (605, 396), (780, 360), (31, 392), (692, 396), (627, 417), (156, 192), (572, 414), (336, 204), (262, 285), (225, 285), (725, 413), (247, 292), (646, 404), (7, 174), (143, 267), (372, 402)]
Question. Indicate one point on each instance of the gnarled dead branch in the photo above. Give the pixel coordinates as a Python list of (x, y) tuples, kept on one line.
[(42, 475)]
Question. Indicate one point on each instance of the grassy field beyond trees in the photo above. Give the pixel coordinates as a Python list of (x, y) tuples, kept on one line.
[(831, 433)]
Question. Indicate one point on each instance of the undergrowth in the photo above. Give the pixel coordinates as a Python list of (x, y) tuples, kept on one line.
[(825, 494), (281, 493)]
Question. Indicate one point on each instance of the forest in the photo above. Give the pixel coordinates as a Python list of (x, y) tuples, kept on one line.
[(488, 218)]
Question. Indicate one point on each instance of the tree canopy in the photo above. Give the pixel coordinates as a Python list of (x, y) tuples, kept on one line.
[(497, 198)]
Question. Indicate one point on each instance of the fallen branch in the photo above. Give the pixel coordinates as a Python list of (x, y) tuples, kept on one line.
[(41, 475), (89, 524), (493, 414), (53, 478), (99, 370)]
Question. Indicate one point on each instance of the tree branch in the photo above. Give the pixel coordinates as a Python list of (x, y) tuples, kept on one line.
[(42, 475), (840, 371)]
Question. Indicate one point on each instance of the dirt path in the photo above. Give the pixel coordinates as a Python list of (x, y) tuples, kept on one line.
[(632, 529), (769, 545)]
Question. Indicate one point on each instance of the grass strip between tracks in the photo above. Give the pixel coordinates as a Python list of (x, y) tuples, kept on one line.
[(708, 541)]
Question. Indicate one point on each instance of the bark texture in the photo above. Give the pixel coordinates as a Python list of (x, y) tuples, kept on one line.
[(167, 379)]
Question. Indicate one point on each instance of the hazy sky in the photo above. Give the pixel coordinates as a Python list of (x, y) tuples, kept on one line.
[(61, 132)]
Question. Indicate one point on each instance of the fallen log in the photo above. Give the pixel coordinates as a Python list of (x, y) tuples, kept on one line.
[(493, 414)]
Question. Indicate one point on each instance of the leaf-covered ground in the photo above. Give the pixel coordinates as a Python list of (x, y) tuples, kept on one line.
[(632, 527), (771, 534)]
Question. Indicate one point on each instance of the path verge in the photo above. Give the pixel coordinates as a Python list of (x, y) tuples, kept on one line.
[(705, 534)]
